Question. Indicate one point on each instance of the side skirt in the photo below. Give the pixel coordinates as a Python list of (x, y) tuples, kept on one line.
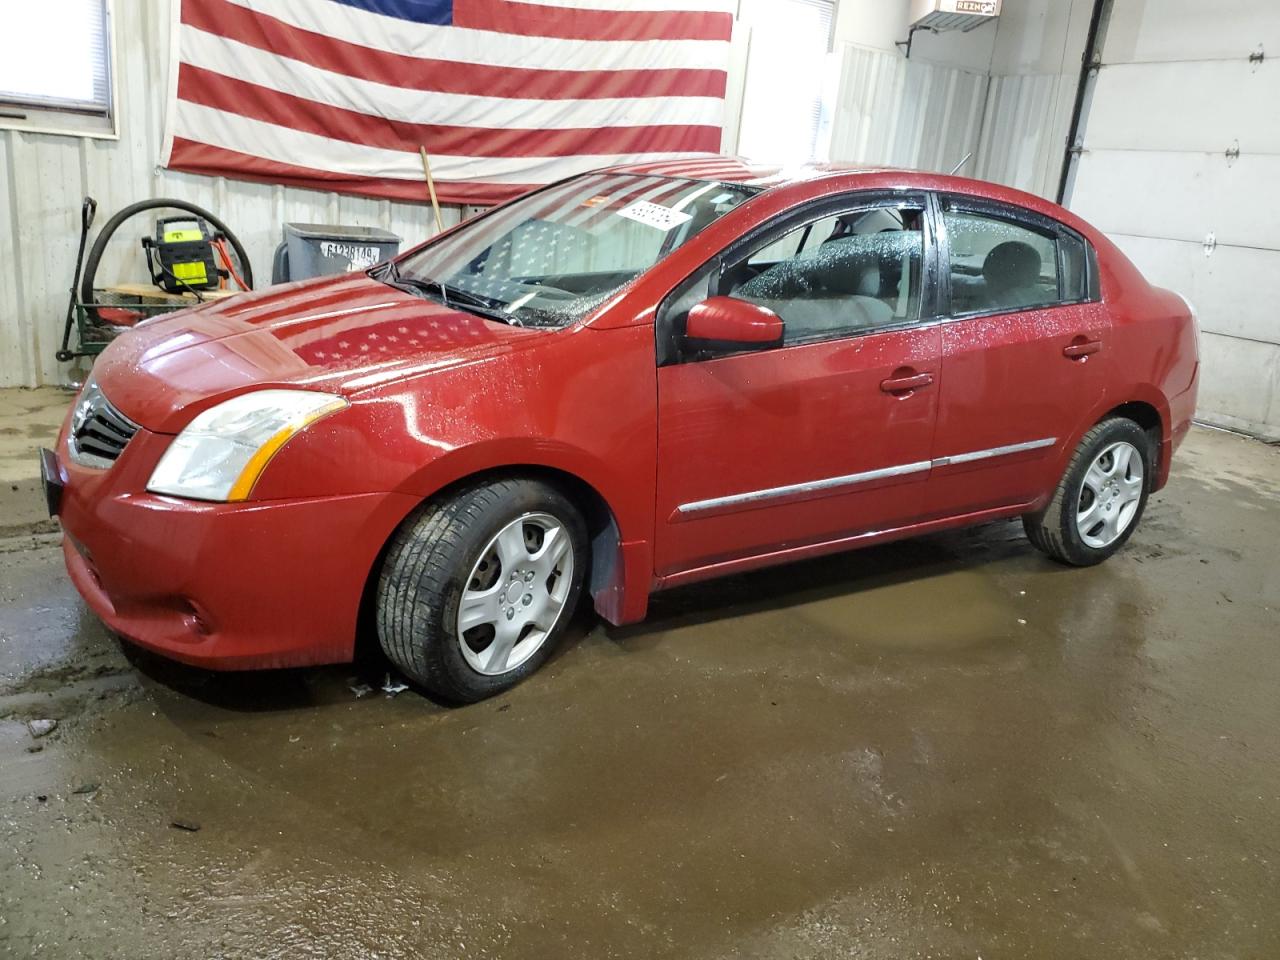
[(792, 554)]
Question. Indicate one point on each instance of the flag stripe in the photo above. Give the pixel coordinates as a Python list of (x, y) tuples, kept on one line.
[(284, 144), (234, 59), (538, 20), (461, 45), (715, 168), (233, 96), (227, 19), (196, 156)]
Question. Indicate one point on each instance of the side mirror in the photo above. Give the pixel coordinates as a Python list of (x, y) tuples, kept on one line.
[(732, 322)]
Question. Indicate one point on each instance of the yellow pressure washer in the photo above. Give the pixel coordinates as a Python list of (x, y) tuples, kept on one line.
[(180, 256)]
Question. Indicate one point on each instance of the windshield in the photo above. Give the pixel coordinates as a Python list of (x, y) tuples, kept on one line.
[(550, 258)]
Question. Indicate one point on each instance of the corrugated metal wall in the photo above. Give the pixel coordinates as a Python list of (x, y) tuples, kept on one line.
[(1010, 104), (45, 177), (926, 116), (1024, 134), (904, 113), (1035, 65)]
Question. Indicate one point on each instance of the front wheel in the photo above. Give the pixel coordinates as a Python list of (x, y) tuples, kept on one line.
[(1100, 498), (478, 587)]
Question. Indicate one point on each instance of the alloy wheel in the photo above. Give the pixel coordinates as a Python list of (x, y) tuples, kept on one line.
[(515, 594), (1110, 494)]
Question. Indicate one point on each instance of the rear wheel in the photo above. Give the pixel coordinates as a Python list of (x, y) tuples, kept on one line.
[(478, 587), (1100, 498)]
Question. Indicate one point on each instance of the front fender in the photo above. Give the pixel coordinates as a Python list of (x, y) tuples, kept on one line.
[(583, 403), (621, 549)]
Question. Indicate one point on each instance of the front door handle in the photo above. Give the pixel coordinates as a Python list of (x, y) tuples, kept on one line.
[(1079, 348), (906, 384)]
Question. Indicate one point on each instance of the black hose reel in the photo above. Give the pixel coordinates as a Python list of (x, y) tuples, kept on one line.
[(112, 225)]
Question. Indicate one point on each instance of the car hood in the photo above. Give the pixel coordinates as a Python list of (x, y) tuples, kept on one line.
[(339, 334)]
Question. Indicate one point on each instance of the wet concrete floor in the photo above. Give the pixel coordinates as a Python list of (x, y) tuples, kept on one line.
[(941, 748)]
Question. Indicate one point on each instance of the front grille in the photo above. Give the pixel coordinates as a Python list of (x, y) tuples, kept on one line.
[(99, 432)]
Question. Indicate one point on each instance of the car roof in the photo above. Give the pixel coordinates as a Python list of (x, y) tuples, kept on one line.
[(769, 177), (728, 169)]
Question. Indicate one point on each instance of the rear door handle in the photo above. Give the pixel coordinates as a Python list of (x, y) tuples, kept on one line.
[(906, 384), (1079, 349)]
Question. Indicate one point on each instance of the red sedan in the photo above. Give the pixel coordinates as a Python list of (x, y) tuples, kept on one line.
[(626, 381)]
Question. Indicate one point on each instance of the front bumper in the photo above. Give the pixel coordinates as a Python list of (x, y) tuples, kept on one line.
[(225, 586)]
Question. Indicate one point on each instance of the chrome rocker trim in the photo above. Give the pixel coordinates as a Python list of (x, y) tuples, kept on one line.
[(854, 479)]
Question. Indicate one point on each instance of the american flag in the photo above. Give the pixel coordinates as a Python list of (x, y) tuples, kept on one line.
[(503, 94)]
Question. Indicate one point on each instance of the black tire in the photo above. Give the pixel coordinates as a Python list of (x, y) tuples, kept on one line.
[(1054, 529), (424, 573)]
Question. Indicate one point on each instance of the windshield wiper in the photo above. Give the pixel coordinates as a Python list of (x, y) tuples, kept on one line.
[(450, 296), (460, 295), (389, 273)]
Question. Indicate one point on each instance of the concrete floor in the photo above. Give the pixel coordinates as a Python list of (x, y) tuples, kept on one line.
[(942, 748)]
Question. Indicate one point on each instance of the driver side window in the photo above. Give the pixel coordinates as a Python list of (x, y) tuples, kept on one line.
[(837, 276)]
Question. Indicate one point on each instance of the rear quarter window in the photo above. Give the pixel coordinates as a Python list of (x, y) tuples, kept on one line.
[(1074, 268)]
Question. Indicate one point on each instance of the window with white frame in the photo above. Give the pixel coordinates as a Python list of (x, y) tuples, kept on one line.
[(784, 108), (55, 67)]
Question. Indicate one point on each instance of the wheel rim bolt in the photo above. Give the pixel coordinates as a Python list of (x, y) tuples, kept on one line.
[(528, 599)]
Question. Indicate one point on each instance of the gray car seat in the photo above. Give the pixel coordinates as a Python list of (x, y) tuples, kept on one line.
[(1011, 273), (851, 271), (833, 289)]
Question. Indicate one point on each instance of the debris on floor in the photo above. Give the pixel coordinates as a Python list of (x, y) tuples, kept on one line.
[(42, 728), (393, 687)]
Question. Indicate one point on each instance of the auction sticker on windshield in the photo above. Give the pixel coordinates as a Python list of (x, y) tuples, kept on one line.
[(655, 215)]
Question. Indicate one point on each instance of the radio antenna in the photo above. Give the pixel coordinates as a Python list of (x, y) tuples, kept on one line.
[(957, 167)]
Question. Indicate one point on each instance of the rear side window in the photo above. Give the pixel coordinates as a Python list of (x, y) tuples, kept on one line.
[(1001, 264)]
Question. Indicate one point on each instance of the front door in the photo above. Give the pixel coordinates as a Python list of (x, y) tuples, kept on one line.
[(824, 437), (1023, 355)]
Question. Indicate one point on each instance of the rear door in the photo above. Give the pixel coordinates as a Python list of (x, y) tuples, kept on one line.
[(826, 436), (1024, 353)]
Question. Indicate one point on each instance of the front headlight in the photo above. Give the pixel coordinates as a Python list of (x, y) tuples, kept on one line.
[(223, 451)]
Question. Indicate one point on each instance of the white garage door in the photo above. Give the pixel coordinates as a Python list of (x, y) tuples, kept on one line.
[(1176, 97)]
